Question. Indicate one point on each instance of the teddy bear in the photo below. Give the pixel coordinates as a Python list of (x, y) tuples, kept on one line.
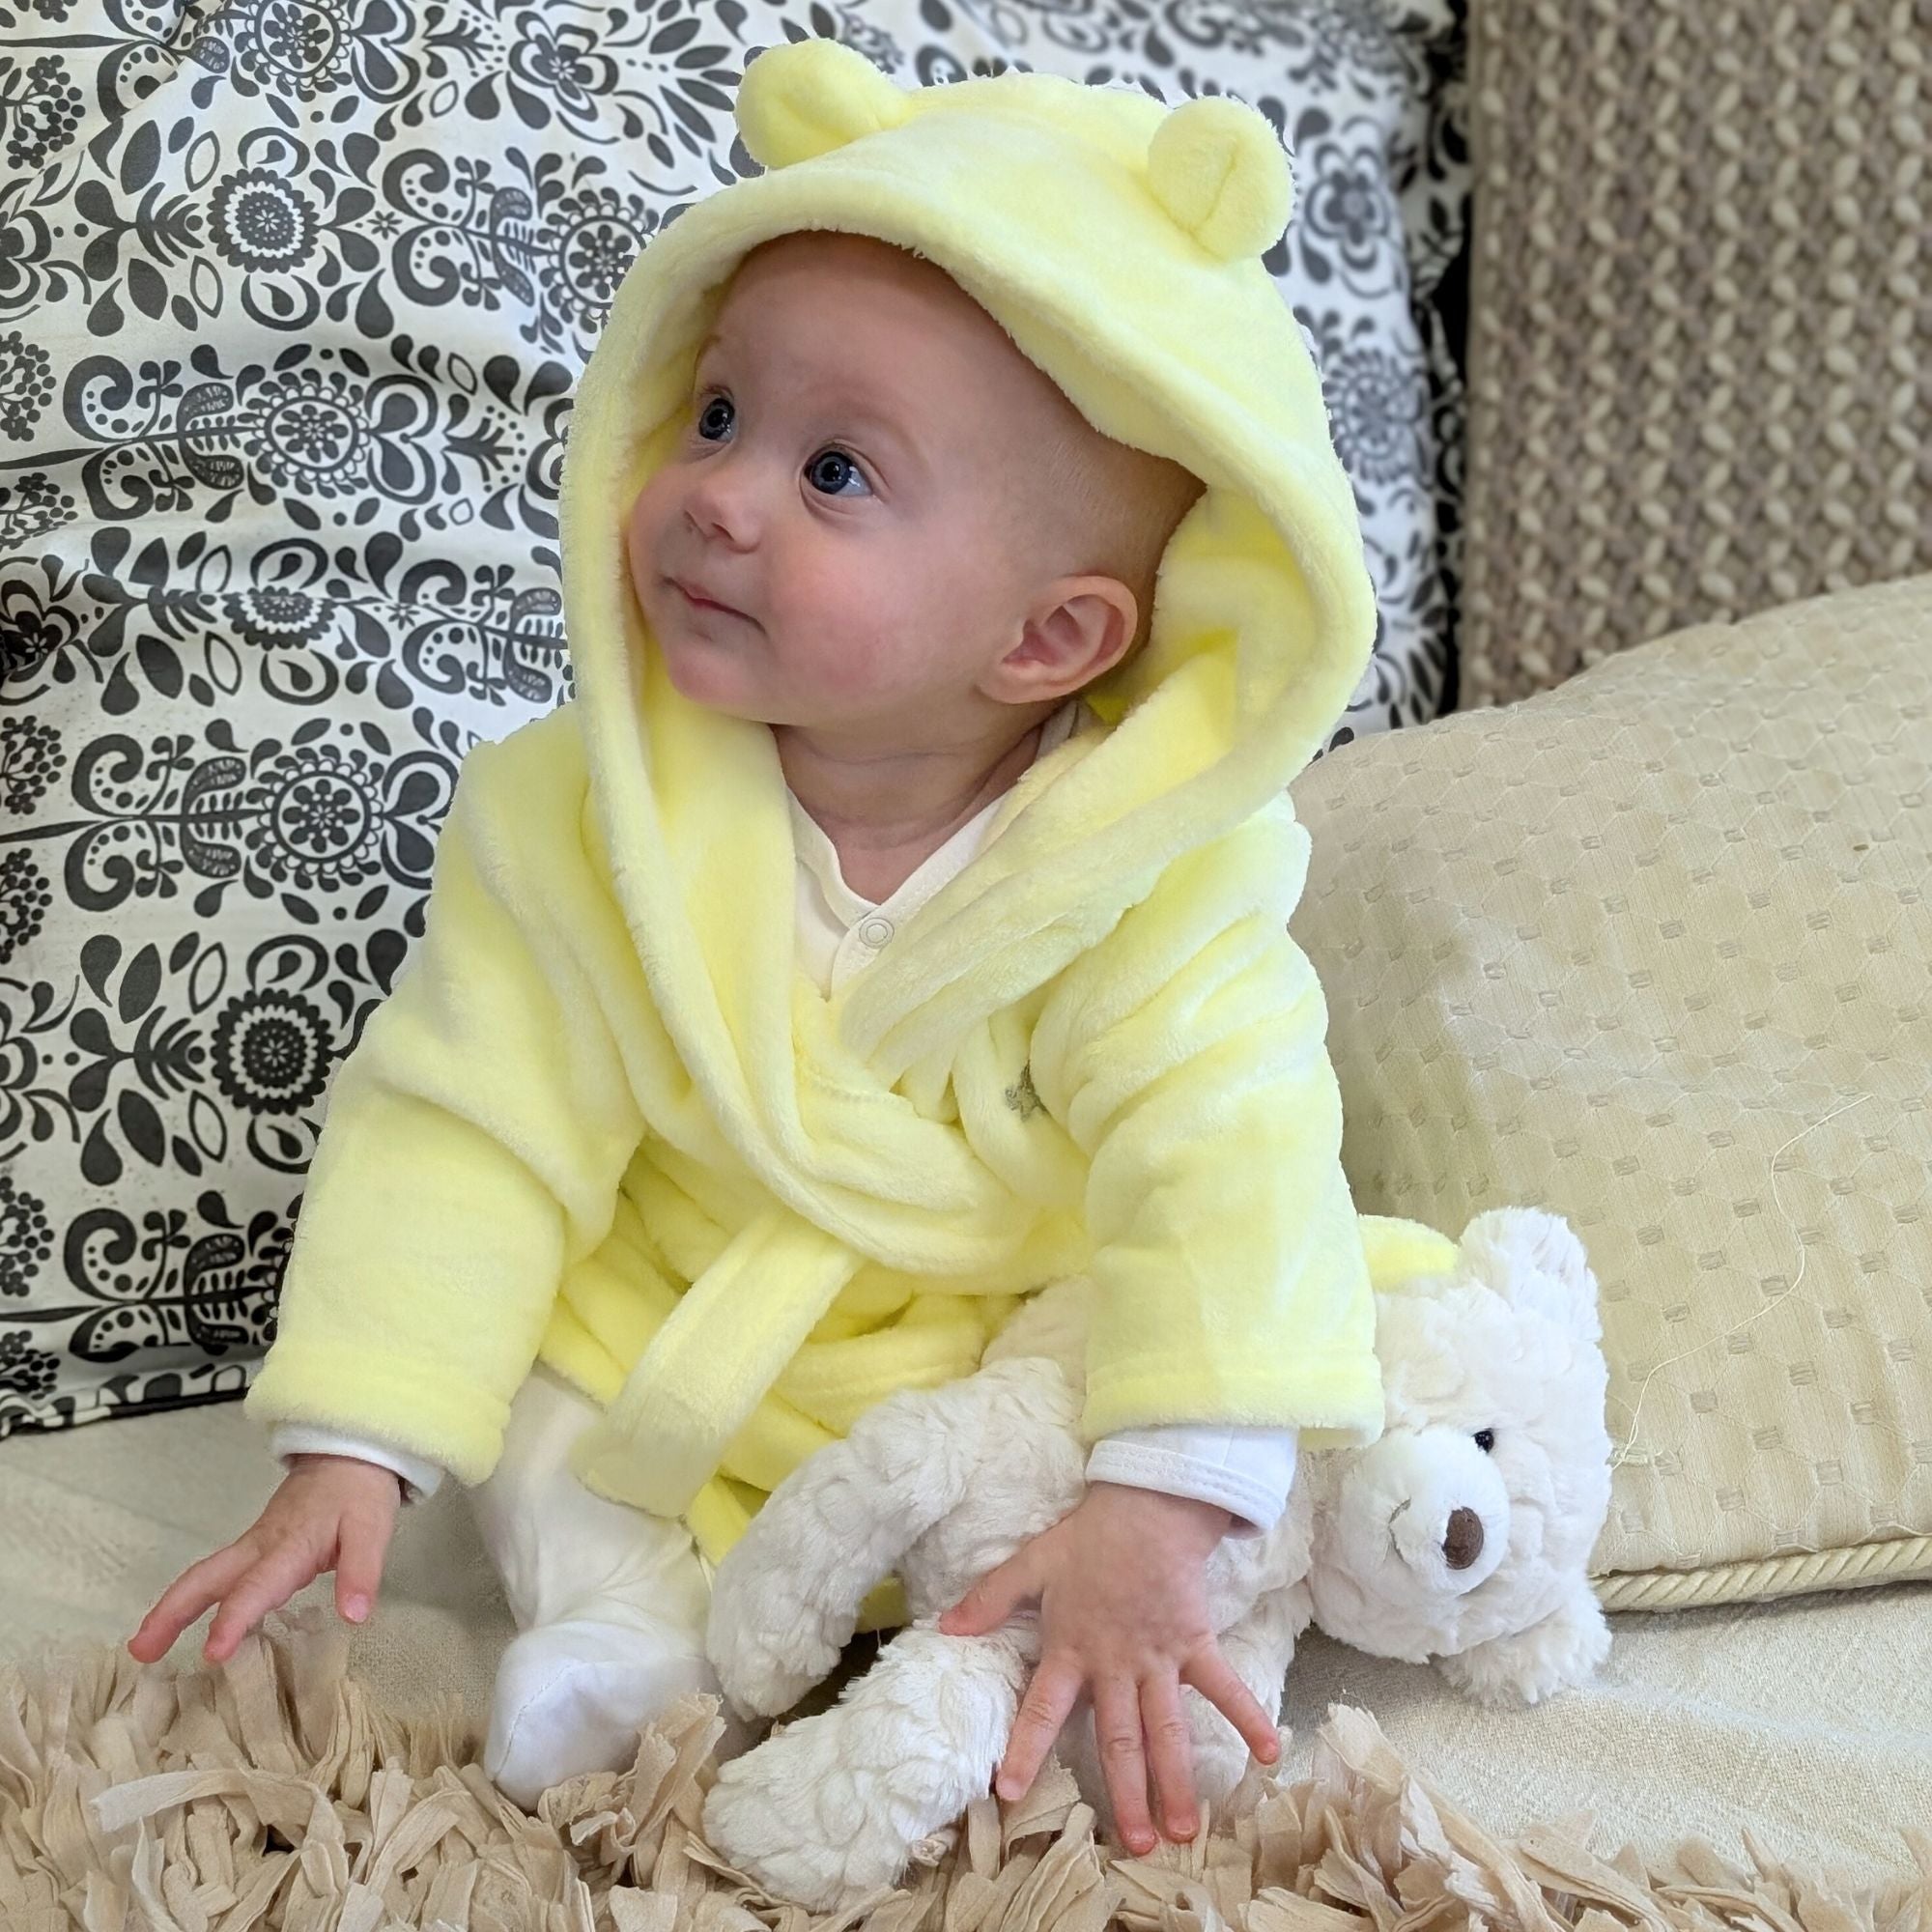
[(1470, 1546), (1462, 1534)]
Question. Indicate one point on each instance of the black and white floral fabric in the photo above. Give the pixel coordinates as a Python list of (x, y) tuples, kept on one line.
[(292, 298)]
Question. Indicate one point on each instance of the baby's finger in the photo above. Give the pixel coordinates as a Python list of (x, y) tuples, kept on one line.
[(273, 1581), (1116, 1731), (1054, 1691), (993, 1598), (1213, 1676), (1170, 1746), (359, 1565), (185, 1598)]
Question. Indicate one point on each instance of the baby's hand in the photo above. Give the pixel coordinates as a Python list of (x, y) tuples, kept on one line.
[(331, 1512), (1123, 1615)]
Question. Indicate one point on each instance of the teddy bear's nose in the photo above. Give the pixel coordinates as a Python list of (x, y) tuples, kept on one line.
[(1465, 1542)]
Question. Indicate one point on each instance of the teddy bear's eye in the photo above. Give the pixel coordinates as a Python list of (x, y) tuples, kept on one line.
[(1485, 1440)]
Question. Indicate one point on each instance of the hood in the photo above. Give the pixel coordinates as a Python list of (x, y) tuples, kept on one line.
[(1118, 244)]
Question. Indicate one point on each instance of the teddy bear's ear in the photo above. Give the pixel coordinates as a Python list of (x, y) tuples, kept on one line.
[(1218, 170), (1534, 1261), (810, 97)]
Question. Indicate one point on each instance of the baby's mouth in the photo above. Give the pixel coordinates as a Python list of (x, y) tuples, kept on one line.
[(695, 597)]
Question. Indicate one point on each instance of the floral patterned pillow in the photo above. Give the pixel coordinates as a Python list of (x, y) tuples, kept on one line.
[(292, 298)]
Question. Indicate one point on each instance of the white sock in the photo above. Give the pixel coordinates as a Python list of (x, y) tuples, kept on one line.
[(611, 1602), (572, 1697)]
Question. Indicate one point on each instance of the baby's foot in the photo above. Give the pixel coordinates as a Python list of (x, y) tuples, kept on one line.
[(572, 1697)]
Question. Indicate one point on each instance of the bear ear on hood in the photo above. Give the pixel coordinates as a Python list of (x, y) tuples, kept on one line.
[(1213, 164), (1534, 1261), (805, 98), (1218, 170)]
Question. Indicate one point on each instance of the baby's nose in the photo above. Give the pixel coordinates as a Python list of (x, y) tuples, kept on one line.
[(1463, 1543), (723, 506)]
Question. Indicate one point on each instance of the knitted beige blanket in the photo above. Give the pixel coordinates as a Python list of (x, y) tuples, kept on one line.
[(272, 1791)]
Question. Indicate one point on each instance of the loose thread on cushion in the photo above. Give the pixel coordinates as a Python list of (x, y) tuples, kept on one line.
[(1804, 1259)]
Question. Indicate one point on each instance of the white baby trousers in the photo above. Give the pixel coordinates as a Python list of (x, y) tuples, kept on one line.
[(609, 1604)]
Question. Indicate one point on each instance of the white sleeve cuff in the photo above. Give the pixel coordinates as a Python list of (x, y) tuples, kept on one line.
[(420, 1477), (1247, 1471)]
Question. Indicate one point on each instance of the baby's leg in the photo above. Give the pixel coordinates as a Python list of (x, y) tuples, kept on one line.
[(611, 1602)]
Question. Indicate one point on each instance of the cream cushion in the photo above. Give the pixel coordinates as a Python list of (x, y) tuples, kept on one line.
[(1653, 949)]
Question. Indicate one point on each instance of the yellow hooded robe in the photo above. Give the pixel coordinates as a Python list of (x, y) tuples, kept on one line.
[(603, 1121)]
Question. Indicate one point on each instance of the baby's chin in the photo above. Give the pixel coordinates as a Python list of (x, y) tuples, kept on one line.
[(715, 677), (705, 675), (721, 665)]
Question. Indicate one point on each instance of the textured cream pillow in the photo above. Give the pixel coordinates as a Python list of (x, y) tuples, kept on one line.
[(1654, 949)]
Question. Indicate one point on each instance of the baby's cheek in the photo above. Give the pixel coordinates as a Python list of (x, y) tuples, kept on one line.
[(853, 665), (644, 526), (838, 627)]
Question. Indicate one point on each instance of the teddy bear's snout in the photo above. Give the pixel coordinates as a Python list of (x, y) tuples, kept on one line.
[(1463, 1543), (1428, 1501), (1444, 1543)]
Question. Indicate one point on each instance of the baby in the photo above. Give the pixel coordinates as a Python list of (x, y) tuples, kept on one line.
[(956, 568)]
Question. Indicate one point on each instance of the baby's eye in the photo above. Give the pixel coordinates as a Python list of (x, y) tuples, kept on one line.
[(832, 470), (715, 418), (1485, 1440)]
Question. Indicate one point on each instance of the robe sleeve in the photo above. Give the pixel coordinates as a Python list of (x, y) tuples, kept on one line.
[(1187, 1056), (474, 1138)]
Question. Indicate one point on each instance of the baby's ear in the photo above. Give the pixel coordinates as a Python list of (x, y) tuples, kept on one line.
[(1078, 629)]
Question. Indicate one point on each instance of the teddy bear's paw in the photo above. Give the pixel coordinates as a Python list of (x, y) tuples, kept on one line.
[(742, 1822), (812, 1823), (767, 1652), (1486, 1677), (1219, 1769), (762, 1684), (1221, 1754), (1564, 1650)]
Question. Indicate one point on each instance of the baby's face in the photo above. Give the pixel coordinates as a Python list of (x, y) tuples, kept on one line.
[(833, 544)]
